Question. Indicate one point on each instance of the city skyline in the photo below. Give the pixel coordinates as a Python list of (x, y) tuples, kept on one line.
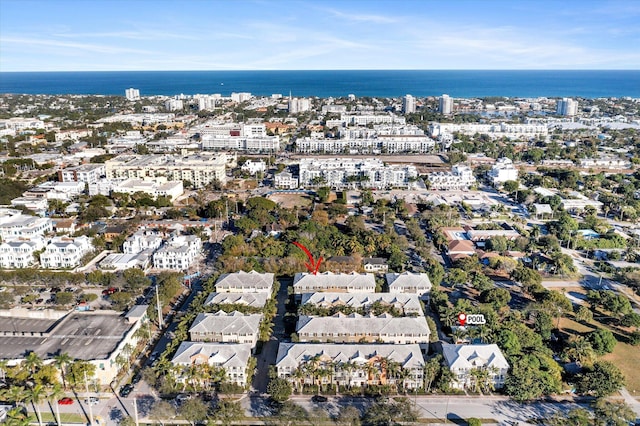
[(303, 35)]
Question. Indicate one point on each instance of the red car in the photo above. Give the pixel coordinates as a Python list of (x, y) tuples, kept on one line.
[(65, 401)]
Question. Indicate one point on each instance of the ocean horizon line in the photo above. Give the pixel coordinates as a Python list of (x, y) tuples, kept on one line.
[(332, 83), (345, 69)]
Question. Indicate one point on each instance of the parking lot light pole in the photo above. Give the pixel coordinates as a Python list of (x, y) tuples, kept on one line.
[(159, 307), (88, 398)]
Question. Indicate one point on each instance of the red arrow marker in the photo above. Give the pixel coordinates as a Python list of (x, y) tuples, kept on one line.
[(312, 266)]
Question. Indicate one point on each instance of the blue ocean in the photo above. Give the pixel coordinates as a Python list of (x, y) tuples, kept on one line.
[(378, 83)]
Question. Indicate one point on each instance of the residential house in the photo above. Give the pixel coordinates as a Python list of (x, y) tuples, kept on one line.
[(409, 282), (65, 252), (375, 264), (462, 359), (179, 253), (355, 328), (253, 300), (329, 282), (408, 304), (350, 365), (19, 253), (142, 240), (245, 282), (233, 358), (223, 327), (14, 224)]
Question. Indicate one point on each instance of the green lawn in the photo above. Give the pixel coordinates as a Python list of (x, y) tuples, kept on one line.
[(625, 356), (64, 417)]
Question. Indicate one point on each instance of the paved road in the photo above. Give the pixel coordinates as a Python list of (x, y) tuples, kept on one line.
[(270, 349)]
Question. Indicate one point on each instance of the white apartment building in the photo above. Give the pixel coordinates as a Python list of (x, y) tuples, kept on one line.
[(174, 104), (132, 94), (35, 204), (350, 364), (567, 107), (160, 188), (245, 282), (14, 224), (297, 105), (462, 359), (142, 240), (200, 169), (409, 282), (17, 124), (254, 167), (460, 178), (445, 105), (371, 145), (62, 190), (18, 253), (329, 282), (178, 253), (65, 252), (502, 171), (73, 135), (349, 172), (207, 102), (494, 130), (285, 180), (233, 327), (86, 173), (171, 189), (233, 358), (355, 328), (408, 104), (365, 119), (241, 97), (408, 304), (147, 119), (605, 163), (240, 143)]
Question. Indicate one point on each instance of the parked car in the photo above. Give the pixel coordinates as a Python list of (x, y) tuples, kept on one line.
[(65, 401), (182, 397), (126, 390), (92, 400), (319, 398)]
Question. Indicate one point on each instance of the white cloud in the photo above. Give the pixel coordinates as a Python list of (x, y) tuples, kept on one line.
[(96, 48)]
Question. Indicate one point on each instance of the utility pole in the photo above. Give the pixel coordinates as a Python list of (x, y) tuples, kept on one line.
[(159, 307), (86, 384)]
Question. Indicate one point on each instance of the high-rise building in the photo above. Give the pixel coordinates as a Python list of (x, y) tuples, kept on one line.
[(408, 104), (174, 104), (567, 107), (446, 104), (132, 94)]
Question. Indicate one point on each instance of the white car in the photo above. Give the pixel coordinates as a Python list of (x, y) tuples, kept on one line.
[(92, 400)]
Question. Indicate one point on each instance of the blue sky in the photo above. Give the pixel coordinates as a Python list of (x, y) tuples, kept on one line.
[(85, 35)]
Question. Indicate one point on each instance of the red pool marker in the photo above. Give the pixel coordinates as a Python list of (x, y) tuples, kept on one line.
[(462, 319)]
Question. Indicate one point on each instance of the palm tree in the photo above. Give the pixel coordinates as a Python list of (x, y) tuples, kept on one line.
[(62, 360), (3, 368), (581, 350), (56, 393), (430, 372), (33, 362), (458, 335), (36, 395), (349, 367), (15, 394), (404, 374), (299, 375), (17, 417), (372, 371)]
